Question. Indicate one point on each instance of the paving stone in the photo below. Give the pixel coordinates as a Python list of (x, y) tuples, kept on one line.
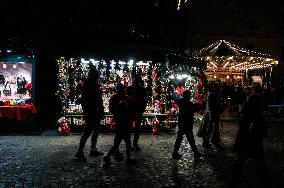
[(46, 161)]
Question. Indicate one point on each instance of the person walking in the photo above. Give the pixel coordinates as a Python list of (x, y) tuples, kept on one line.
[(185, 124), (120, 107), (249, 140), (93, 112), (138, 92)]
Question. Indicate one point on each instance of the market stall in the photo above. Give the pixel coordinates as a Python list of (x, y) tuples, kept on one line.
[(16, 91), (230, 63), (164, 81)]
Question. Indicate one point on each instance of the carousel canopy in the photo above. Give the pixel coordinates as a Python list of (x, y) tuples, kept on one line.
[(226, 57)]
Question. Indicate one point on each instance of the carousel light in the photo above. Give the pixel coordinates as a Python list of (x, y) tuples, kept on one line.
[(9, 51), (230, 58), (228, 76), (225, 64), (171, 76), (213, 64), (215, 76), (4, 66), (14, 66)]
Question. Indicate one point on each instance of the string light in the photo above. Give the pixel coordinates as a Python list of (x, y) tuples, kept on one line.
[(242, 60)]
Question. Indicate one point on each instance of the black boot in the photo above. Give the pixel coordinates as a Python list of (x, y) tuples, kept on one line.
[(95, 153), (176, 155), (80, 156)]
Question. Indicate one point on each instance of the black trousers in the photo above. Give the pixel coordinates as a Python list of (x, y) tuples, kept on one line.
[(92, 126), (138, 122), (213, 133), (119, 136), (190, 138)]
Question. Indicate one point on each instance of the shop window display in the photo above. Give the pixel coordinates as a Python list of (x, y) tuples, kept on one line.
[(15, 83), (16, 86)]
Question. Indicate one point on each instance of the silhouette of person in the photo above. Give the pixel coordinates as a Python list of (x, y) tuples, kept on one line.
[(93, 111), (214, 109), (120, 107), (249, 139), (185, 124), (203, 128), (138, 92)]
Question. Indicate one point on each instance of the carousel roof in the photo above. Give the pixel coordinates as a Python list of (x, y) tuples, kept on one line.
[(224, 56)]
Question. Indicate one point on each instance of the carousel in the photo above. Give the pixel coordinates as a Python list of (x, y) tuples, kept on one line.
[(227, 62)]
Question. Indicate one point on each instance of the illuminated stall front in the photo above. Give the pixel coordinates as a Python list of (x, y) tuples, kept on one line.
[(164, 79)]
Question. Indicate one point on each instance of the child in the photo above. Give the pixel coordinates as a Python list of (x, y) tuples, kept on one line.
[(122, 116), (185, 124)]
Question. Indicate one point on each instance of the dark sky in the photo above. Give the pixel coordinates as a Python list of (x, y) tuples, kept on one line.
[(249, 23), (253, 24)]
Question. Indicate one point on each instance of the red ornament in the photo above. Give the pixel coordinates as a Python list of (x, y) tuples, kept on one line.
[(64, 129)]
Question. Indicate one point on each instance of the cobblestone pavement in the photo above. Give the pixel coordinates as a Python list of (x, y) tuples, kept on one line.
[(46, 161)]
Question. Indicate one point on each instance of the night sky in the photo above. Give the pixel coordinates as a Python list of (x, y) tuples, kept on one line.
[(77, 25)]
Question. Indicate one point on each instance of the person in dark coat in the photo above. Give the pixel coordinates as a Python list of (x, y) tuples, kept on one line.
[(214, 109), (93, 113), (138, 92), (249, 139), (185, 124), (120, 107)]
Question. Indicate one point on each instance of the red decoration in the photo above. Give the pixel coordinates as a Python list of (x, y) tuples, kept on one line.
[(155, 123), (180, 90), (64, 129)]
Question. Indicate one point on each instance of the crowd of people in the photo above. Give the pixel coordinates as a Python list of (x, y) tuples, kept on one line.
[(128, 104), (235, 96)]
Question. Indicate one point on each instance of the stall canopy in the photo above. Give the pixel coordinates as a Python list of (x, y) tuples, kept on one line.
[(225, 58)]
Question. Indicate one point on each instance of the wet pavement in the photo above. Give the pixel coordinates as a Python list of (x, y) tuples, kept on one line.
[(47, 161)]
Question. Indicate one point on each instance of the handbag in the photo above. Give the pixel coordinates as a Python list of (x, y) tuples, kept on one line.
[(7, 92)]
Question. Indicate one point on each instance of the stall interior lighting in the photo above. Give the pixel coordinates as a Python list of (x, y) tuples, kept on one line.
[(131, 61), (121, 62), (142, 63)]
